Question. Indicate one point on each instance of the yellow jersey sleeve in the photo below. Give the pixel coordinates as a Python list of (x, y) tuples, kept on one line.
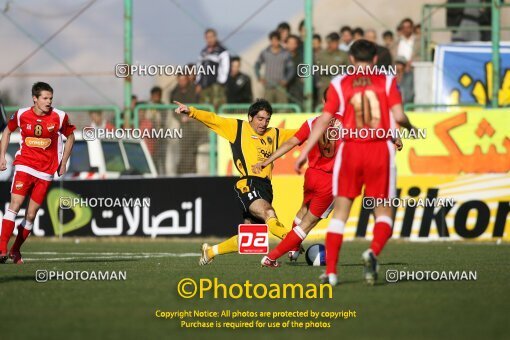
[(224, 127), (285, 135)]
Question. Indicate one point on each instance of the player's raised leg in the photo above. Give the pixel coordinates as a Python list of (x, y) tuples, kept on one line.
[(8, 224), (335, 237), (295, 237)]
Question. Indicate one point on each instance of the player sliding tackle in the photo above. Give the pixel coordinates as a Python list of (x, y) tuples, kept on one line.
[(317, 196), (36, 162), (365, 102), (252, 141)]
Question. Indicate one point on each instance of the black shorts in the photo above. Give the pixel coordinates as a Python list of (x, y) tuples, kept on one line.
[(251, 188)]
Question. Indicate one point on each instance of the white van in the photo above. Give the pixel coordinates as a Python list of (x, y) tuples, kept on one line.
[(100, 158)]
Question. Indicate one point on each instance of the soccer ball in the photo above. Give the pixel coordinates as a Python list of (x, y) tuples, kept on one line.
[(316, 255)]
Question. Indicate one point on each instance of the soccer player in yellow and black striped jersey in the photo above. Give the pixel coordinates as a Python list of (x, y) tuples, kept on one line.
[(252, 142)]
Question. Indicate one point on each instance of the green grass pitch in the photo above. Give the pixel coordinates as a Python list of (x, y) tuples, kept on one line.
[(126, 309)]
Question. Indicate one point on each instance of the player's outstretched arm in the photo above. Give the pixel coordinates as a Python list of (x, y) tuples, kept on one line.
[(401, 118), (282, 150), (6, 136), (317, 131), (68, 147), (225, 127)]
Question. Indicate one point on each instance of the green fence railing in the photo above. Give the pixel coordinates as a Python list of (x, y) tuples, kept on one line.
[(412, 106), (213, 153), (243, 108)]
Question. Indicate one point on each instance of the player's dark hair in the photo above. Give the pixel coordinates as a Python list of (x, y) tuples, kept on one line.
[(333, 36), (274, 34), (358, 30), (293, 36), (283, 26), (317, 36), (260, 105), (345, 29), (156, 89), (210, 30), (38, 87), (301, 24), (363, 50), (387, 34), (235, 58), (407, 20)]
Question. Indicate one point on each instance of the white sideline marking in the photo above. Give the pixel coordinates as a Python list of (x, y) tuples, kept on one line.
[(105, 256), (108, 254)]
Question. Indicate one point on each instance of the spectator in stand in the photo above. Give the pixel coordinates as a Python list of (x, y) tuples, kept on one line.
[(181, 154), (145, 124), (383, 54), (408, 46), (346, 38), (302, 30), (332, 55), (358, 33), (284, 30), (238, 86), (405, 80), (210, 87), (295, 86), (156, 116), (98, 122), (184, 91), (317, 45), (279, 70), (388, 40), (417, 30)]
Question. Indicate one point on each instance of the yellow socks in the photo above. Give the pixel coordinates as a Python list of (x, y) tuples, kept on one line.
[(225, 247), (276, 228)]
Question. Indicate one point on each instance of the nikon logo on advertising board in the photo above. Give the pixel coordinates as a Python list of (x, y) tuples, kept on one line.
[(480, 209)]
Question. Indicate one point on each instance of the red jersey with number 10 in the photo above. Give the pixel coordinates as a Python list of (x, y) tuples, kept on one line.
[(41, 144), (364, 101)]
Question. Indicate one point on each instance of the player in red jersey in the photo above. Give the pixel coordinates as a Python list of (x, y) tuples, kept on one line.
[(39, 156), (368, 103), (317, 196)]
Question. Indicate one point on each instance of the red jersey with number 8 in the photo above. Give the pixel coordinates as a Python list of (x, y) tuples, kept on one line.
[(41, 141)]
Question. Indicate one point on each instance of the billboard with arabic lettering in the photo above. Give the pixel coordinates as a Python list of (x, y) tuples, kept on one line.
[(457, 142), (176, 207), (463, 73)]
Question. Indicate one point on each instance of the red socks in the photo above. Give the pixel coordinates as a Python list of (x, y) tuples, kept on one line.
[(334, 238), (382, 233), (7, 229), (291, 242), (22, 236)]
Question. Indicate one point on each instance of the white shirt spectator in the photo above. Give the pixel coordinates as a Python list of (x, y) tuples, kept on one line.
[(405, 47)]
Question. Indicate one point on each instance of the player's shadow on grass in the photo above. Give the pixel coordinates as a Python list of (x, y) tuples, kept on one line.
[(4, 279)]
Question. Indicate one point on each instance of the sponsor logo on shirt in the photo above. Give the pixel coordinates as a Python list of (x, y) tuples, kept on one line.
[(35, 142), (18, 185)]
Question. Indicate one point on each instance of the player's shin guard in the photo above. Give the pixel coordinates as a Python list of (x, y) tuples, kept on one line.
[(382, 233), (334, 238), (297, 221), (290, 242), (276, 228), (225, 247), (24, 230), (7, 229)]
